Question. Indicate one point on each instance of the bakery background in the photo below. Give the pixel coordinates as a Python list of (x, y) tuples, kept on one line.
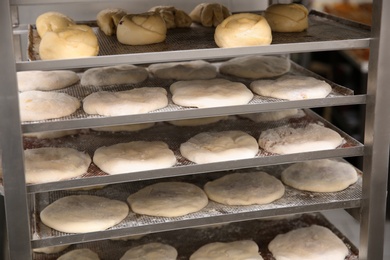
[(350, 70)]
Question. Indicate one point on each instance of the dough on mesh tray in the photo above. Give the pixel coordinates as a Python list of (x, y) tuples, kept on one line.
[(168, 199), (187, 70), (287, 17), (173, 17), (128, 102), (124, 128), (245, 189), (256, 66), (198, 121), (51, 134), (108, 20), (209, 14), (114, 75), (273, 115), (52, 21), (80, 254), (51, 249), (151, 251), (46, 80)]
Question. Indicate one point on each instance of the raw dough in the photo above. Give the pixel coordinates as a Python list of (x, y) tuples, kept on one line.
[(291, 87), (52, 21), (198, 121), (114, 75), (168, 199), (245, 189), (237, 250), (287, 140), (187, 70), (209, 14), (320, 175), (51, 249), (75, 41), (256, 66), (49, 164), (287, 17), (308, 243), (108, 20), (46, 80), (83, 213), (272, 115), (80, 254), (51, 134), (124, 128), (243, 29), (134, 156), (151, 251), (210, 93), (141, 29), (209, 147), (129, 102), (40, 105), (173, 17)]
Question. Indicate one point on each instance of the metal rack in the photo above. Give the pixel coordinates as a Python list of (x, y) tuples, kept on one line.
[(22, 201)]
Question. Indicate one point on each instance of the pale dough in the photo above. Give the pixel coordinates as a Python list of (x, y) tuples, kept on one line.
[(124, 128), (245, 189), (151, 251), (210, 93), (272, 115), (173, 17), (287, 17), (51, 249), (198, 121), (83, 213), (186, 70), (256, 66), (128, 102), (209, 14), (209, 147), (134, 156), (114, 75), (80, 254), (51, 134), (287, 140), (168, 199), (52, 21), (308, 243), (237, 250), (49, 164), (108, 20), (46, 80), (292, 87), (320, 175), (41, 105)]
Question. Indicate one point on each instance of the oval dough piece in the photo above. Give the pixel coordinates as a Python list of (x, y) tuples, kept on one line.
[(151, 251), (114, 75), (173, 17), (49, 164), (272, 115), (124, 128), (80, 254), (46, 80), (287, 17), (320, 175), (237, 250), (52, 21), (108, 19), (134, 156), (241, 189), (287, 140), (314, 243), (198, 121), (40, 105), (83, 213), (168, 199), (51, 249), (256, 66), (209, 14), (210, 93), (292, 87), (129, 102), (209, 147), (190, 70), (51, 134)]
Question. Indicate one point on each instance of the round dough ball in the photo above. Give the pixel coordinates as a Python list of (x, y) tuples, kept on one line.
[(46, 80), (40, 105), (287, 17), (80, 254), (51, 249), (173, 17), (75, 41), (188, 70), (141, 29), (83, 213), (209, 14), (168, 199), (245, 189), (151, 251), (124, 128), (108, 19), (52, 21), (243, 29)]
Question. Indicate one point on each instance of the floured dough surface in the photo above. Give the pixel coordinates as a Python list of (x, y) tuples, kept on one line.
[(134, 156), (151, 251), (114, 75), (129, 102), (187, 70), (237, 250), (245, 189), (287, 140), (46, 80), (168, 199), (48, 164), (198, 121), (210, 93), (83, 213), (50, 249), (292, 87), (41, 105), (273, 115), (124, 128), (314, 243), (51, 134), (256, 66), (209, 147), (80, 254), (320, 175)]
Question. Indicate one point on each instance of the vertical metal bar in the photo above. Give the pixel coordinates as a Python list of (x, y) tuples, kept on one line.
[(15, 199), (377, 137)]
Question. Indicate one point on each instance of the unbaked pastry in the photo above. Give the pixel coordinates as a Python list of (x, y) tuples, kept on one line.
[(273, 115), (151, 251), (198, 121), (80, 254), (51, 134), (108, 20), (52, 21), (287, 17), (51, 249), (186, 70), (124, 128), (209, 14), (173, 17), (45, 80)]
